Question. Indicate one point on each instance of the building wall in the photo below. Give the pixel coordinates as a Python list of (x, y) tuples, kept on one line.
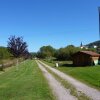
[(82, 60)]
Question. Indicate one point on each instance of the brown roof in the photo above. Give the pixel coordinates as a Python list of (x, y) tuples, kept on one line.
[(91, 53)]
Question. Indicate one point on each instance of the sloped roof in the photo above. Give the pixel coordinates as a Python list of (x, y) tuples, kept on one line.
[(90, 53)]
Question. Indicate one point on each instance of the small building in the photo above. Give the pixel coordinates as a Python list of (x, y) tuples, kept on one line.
[(84, 58)]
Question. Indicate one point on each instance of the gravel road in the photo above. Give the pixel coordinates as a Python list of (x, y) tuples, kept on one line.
[(89, 91), (58, 90)]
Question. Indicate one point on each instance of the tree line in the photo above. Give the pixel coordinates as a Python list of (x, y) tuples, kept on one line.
[(65, 53), (17, 48)]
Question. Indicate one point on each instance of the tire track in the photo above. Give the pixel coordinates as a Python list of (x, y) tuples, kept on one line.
[(90, 92), (59, 91)]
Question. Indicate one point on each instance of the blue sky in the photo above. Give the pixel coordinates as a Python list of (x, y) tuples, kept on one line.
[(49, 22)]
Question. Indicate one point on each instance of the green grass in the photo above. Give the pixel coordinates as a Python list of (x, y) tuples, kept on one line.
[(89, 75), (28, 83)]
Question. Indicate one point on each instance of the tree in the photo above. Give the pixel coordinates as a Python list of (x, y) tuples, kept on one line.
[(16, 46), (34, 54), (66, 53), (27, 55), (46, 51)]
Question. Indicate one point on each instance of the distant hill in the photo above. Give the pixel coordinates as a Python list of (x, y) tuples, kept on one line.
[(91, 45)]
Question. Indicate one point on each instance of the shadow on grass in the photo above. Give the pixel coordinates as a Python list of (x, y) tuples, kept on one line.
[(67, 65)]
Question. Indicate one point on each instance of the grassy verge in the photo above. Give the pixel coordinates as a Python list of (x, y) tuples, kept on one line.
[(10, 62), (89, 75), (27, 83), (67, 85)]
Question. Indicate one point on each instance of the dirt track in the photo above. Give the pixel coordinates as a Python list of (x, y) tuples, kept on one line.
[(90, 92), (59, 91)]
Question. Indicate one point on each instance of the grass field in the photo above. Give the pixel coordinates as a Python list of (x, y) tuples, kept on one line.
[(89, 75), (27, 83)]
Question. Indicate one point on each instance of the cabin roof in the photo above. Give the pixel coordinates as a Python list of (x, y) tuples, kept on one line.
[(90, 53)]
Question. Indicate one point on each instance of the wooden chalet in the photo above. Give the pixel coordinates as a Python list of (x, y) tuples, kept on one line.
[(84, 58)]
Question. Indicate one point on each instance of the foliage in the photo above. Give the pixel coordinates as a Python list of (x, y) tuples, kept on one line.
[(27, 55), (17, 47), (46, 51), (89, 49), (67, 52), (4, 54), (34, 54)]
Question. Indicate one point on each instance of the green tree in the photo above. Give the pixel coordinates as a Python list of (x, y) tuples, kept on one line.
[(46, 51), (67, 52)]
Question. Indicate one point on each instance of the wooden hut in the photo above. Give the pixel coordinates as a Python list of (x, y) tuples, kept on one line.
[(84, 58)]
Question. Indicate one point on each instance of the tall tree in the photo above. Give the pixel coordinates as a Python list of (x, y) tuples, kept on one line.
[(16, 46)]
